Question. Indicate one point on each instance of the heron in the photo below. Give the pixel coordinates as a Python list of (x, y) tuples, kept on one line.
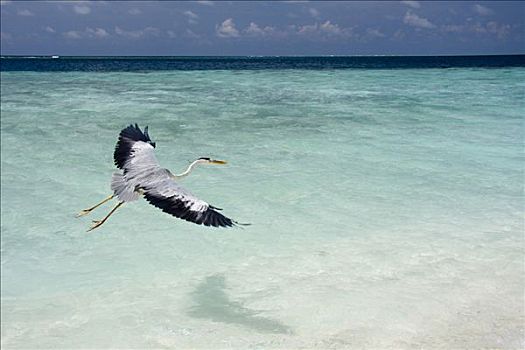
[(140, 175)]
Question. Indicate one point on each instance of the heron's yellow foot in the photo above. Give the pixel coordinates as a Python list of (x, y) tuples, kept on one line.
[(96, 223), (83, 212)]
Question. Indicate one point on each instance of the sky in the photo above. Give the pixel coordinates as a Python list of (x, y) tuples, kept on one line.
[(261, 27)]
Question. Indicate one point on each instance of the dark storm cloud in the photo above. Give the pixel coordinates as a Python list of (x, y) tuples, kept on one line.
[(261, 28)]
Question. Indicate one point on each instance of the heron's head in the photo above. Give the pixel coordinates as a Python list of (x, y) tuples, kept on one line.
[(206, 160)]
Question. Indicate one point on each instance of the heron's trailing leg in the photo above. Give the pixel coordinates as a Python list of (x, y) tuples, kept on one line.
[(87, 211), (97, 223)]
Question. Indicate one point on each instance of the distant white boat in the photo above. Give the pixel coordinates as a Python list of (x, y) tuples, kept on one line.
[(55, 56)]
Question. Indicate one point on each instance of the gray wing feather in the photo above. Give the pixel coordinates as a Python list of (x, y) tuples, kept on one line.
[(140, 166), (166, 194), (161, 185), (142, 159)]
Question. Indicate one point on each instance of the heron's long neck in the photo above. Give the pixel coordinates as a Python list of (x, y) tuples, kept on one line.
[(188, 171)]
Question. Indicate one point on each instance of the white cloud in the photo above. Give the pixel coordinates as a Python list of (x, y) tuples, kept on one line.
[(82, 9), (399, 34), (227, 29), (492, 27), (171, 34), (414, 20), (97, 32), (134, 11), (501, 30), (136, 34), (314, 12), (311, 28), (452, 28), (205, 2), (72, 34), (190, 14), (482, 10), (192, 17), (190, 34), (326, 29), (254, 30), (128, 34), (476, 28), (374, 33), (307, 29), (413, 4), (25, 13), (50, 29)]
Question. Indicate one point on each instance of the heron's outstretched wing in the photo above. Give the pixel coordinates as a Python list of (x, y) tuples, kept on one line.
[(166, 194), (134, 154), (135, 150)]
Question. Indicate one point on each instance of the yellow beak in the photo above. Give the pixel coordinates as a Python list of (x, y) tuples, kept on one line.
[(213, 161)]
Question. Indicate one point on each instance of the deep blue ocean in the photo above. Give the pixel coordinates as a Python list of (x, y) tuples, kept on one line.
[(130, 64), (386, 197)]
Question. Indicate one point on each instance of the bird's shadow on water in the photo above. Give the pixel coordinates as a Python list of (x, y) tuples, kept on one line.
[(212, 302)]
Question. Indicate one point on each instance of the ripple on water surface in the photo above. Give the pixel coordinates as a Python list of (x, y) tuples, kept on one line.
[(386, 210)]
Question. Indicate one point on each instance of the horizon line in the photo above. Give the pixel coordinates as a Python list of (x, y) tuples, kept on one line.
[(257, 56)]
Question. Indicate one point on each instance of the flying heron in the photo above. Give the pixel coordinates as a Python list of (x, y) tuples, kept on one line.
[(140, 174)]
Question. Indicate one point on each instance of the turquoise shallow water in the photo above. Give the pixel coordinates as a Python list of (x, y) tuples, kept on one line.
[(386, 208)]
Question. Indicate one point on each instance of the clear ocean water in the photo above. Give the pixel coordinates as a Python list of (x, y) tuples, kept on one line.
[(387, 209)]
